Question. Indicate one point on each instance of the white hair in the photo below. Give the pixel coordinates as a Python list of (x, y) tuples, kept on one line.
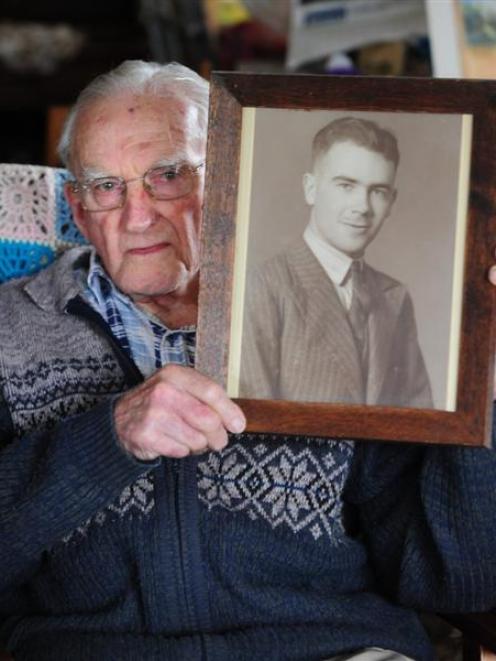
[(173, 80)]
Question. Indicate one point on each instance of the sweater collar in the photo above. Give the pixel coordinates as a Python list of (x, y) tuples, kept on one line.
[(52, 288)]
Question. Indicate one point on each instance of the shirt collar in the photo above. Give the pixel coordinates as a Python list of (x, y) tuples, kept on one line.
[(142, 336), (98, 280), (335, 263), (100, 286)]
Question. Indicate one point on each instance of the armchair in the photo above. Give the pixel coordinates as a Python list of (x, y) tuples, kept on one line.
[(35, 219), (36, 225)]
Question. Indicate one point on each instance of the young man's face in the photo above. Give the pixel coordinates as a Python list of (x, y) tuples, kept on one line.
[(351, 190)]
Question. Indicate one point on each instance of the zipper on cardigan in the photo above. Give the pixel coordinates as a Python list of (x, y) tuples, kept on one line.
[(190, 581), (178, 471), (196, 616)]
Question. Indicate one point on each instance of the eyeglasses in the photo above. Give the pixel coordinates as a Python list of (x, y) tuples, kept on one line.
[(167, 182)]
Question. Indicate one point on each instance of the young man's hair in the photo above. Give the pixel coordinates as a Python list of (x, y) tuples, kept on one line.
[(361, 132)]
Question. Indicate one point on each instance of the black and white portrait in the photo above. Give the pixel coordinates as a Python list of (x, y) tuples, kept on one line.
[(353, 227)]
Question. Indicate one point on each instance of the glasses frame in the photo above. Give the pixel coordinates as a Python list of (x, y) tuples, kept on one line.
[(78, 186)]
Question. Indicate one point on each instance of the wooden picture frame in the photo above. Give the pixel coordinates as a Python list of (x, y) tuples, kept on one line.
[(458, 115)]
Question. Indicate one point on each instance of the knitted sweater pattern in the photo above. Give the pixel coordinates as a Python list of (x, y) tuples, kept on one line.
[(254, 552)]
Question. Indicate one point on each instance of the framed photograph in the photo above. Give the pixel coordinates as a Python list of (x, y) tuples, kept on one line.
[(348, 228)]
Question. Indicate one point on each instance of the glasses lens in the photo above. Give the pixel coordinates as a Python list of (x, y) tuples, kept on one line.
[(105, 193), (167, 183)]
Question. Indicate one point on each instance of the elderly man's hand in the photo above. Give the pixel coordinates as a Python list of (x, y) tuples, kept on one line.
[(174, 413)]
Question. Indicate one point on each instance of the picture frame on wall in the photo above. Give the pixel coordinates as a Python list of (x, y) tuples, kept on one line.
[(343, 288)]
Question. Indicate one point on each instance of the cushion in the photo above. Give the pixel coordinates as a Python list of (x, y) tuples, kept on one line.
[(35, 220)]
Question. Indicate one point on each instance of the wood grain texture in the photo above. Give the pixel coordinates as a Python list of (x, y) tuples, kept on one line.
[(218, 231)]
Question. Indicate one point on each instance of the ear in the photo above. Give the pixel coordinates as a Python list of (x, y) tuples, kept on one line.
[(309, 188), (79, 214)]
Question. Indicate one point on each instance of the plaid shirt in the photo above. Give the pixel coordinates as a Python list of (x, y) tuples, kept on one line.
[(144, 337)]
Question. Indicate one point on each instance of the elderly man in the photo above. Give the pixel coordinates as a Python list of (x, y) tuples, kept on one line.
[(129, 528), (321, 294)]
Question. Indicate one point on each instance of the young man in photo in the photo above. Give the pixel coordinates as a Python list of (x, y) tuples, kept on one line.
[(320, 324)]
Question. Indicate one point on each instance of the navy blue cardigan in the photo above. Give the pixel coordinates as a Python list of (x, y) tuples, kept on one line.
[(276, 548)]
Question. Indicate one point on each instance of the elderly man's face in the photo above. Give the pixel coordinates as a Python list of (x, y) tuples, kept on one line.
[(149, 247), (351, 191)]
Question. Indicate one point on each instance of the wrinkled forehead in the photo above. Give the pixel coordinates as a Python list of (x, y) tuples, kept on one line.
[(133, 122)]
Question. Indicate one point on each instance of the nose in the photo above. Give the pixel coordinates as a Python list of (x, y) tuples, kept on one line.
[(138, 212), (361, 200)]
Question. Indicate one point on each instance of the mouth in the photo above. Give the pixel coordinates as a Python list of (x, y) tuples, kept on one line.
[(358, 226), (148, 250)]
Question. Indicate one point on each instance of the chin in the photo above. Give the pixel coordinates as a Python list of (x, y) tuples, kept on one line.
[(155, 288), (152, 290), (355, 250), (158, 281)]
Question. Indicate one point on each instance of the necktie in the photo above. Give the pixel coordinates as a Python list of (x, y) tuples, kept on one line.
[(359, 311)]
